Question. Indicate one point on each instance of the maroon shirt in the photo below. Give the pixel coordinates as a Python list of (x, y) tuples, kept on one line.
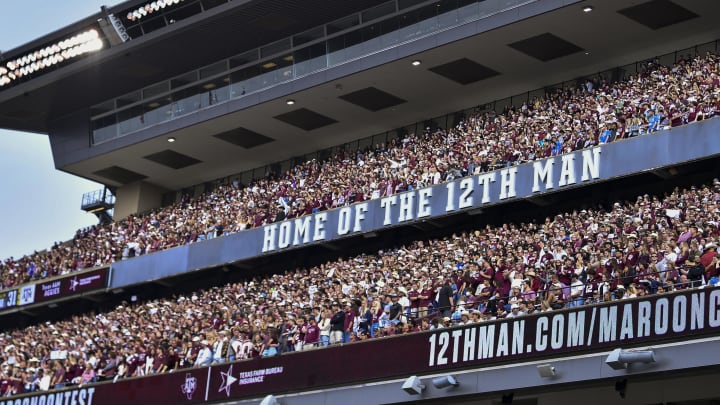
[(413, 296), (349, 318), (74, 371), (132, 364), (159, 361), (426, 292), (312, 335)]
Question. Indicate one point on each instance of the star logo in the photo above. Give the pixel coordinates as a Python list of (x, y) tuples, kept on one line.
[(227, 381), (189, 387), (74, 283)]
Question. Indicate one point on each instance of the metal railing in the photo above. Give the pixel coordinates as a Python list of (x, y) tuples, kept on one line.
[(260, 69)]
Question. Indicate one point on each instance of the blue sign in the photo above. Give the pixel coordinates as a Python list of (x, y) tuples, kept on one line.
[(555, 174)]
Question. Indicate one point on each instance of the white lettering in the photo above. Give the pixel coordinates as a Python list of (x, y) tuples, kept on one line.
[(285, 233), (269, 238), (450, 206), (507, 183), (406, 207), (576, 329), (679, 314), (424, 202), (518, 338), (251, 380), (469, 344), (387, 203), (591, 164), (360, 210), (714, 312), (302, 230), (661, 316), (608, 325), (626, 325), (456, 344), (344, 219), (432, 349), (557, 331), (443, 340), (644, 310), (543, 173), (541, 334), (567, 173), (503, 347), (466, 199), (484, 180), (320, 219), (486, 342), (697, 312)]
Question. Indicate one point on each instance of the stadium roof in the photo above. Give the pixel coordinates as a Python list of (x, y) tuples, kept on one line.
[(370, 97), (219, 32)]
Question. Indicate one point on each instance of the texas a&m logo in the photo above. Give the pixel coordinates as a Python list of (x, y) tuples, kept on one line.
[(189, 387)]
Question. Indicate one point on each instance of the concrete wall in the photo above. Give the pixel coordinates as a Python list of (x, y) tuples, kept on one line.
[(136, 197)]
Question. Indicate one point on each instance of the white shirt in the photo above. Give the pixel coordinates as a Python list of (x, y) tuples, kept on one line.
[(576, 288), (324, 326), (204, 357)]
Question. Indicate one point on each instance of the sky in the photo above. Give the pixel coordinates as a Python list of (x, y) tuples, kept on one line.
[(38, 204)]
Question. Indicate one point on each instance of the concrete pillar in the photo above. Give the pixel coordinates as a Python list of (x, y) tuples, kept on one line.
[(137, 197)]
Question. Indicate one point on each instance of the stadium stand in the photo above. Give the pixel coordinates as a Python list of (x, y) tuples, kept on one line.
[(653, 245), (660, 97), (504, 300)]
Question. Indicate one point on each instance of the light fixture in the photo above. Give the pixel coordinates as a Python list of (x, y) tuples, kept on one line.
[(171, 139), (417, 62), (587, 9), (546, 370), (39, 59), (445, 382), (269, 400), (150, 8), (290, 101), (413, 385), (619, 359)]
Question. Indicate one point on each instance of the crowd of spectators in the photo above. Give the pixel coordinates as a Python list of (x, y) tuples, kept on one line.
[(652, 245), (596, 112)]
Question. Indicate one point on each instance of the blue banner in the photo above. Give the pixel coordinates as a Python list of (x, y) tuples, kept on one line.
[(554, 174)]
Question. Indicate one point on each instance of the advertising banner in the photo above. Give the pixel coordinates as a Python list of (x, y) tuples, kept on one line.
[(72, 284), (624, 323)]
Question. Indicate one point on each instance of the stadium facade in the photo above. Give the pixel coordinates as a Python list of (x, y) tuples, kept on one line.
[(160, 99)]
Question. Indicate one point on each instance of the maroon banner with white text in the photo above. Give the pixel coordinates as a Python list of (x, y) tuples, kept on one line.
[(73, 284), (623, 323)]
